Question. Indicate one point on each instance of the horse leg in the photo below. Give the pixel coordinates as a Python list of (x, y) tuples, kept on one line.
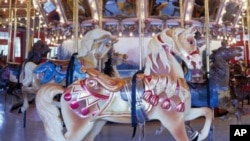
[(25, 105), (198, 112), (237, 112), (77, 127), (173, 121), (226, 103)]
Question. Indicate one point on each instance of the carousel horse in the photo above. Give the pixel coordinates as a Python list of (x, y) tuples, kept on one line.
[(239, 81), (17, 78), (7, 82), (215, 91), (87, 104), (93, 48)]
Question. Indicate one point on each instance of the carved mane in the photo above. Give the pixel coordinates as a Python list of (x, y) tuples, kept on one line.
[(155, 48)]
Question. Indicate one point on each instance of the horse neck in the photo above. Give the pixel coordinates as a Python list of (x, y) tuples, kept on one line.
[(175, 68), (220, 74)]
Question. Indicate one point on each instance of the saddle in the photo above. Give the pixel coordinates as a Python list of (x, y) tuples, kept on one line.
[(63, 63)]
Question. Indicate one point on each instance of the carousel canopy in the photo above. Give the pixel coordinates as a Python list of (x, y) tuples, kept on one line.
[(226, 17)]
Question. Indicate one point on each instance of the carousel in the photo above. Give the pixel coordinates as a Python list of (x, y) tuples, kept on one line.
[(82, 66)]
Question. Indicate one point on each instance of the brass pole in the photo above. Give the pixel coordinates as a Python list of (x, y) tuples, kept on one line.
[(207, 35), (181, 13), (75, 24), (248, 28), (28, 43), (14, 34), (33, 31), (39, 30), (100, 12), (10, 31), (141, 16)]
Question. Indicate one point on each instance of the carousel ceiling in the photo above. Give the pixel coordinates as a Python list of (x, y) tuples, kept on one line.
[(123, 16)]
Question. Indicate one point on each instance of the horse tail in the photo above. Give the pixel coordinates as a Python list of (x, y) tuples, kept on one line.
[(48, 112)]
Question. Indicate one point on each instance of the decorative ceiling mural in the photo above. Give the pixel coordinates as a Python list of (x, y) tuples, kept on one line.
[(122, 16)]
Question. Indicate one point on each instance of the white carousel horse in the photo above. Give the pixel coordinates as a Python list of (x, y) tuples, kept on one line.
[(163, 50), (93, 47), (177, 43), (88, 104)]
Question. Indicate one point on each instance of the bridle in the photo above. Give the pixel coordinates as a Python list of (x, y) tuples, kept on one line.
[(188, 56)]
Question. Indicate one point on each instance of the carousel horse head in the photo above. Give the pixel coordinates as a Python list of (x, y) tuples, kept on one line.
[(39, 50), (225, 54), (219, 60), (97, 42), (172, 43)]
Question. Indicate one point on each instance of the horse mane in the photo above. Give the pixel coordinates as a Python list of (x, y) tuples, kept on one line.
[(66, 49), (155, 48), (89, 38)]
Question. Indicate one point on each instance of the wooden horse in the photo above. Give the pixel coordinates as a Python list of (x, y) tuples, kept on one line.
[(93, 48), (88, 104), (181, 44), (239, 82), (218, 83)]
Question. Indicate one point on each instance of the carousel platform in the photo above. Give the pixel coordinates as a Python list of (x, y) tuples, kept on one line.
[(11, 126)]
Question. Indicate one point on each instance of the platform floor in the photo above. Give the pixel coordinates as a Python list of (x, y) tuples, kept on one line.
[(11, 126)]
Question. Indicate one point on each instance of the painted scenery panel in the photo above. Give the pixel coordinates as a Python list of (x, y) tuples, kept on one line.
[(130, 46), (169, 8), (231, 10), (199, 9), (84, 9), (123, 8)]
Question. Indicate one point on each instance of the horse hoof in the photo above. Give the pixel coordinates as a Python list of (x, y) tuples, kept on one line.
[(194, 136)]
